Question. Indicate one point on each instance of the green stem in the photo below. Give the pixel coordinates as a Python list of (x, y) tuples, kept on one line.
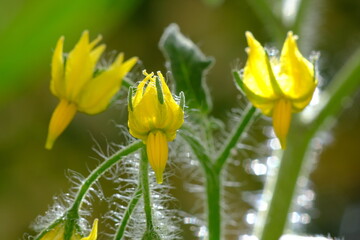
[(244, 122), (209, 134), (213, 169), (144, 176), (197, 148), (272, 222), (72, 214), (213, 191), (131, 207)]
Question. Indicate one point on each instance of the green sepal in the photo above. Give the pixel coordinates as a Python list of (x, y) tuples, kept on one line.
[(182, 100), (239, 82), (130, 95), (188, 66), (274, 84), (159, 90)]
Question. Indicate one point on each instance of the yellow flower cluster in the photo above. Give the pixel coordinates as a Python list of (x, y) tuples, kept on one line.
[(278, 87), (57, 233), (154, 117), (77, 86)]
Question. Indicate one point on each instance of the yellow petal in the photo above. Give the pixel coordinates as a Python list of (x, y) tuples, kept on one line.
[(96, 95), (296, 75), (256, 75), (57, 70), (93, 233), (80, 66), (147, 110), (281, 120), (157, 151), (57, 233), (149, 113), (95, 41), (60, 119), (140, 88), (266, 105)]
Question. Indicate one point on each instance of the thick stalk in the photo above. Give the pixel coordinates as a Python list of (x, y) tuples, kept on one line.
[(272, 222), (213, 191)]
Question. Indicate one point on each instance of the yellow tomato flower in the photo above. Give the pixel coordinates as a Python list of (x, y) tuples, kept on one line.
[(75, 82), (278, 87), (57, 233), (154, 117)]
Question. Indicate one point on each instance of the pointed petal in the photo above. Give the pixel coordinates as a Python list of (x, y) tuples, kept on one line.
[(57, 70), (256, 74), (97, 94), (126, 66), (281, 120), (147, 110), (60, 119), (140, 88), (95, 41), (157, 151), (296, 75), (96, 53), (80, 66), (93, 233)]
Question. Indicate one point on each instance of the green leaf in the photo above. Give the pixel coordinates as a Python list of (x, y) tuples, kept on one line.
[(188, 66)]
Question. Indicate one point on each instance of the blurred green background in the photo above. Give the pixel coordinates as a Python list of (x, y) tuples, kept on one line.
[(30, 175)]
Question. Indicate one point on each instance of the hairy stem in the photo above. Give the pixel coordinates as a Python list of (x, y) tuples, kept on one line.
[(130, 209), (245, 121), (72, 214), (144, 176), (213, 191), (212, 169)]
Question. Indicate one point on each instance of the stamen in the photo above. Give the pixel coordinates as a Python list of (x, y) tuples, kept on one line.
[(281, 120), (157, 151)]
